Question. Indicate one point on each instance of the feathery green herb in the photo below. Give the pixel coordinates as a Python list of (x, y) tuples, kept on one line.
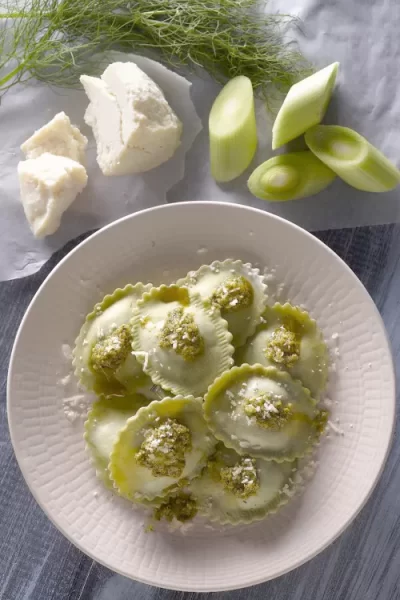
[(54, 40)]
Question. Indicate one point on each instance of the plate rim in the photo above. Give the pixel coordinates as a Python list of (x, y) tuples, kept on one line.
[(391, 410)]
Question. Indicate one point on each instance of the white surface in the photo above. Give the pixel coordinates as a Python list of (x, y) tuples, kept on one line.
[(163, 244)]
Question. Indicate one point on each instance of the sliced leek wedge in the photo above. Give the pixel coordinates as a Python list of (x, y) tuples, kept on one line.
[(232, 130), (304, 106), (353, 158), (290, 177)]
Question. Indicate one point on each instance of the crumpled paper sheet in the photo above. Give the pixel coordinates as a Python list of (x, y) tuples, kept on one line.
[(361, 34), (105, 199)]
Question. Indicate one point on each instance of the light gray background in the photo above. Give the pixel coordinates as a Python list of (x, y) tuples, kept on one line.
[(363, 35)]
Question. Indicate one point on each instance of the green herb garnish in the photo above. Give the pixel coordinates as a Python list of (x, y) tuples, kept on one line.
[(234, 294), (164, 449), (268, 411), (182, 507), (241, 479), (54, 41), (181, 334), (283, 348), (111, 351)]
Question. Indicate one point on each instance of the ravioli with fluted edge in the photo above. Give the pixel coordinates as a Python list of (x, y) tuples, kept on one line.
[(177, 428), (289, 340), (234, 288), (182, 344), (263, 412), (106, 418), (102, 356), (161, 448), (241, 489)]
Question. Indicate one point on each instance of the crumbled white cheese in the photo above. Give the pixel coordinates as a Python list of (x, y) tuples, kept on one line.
[(57, 137), (66, 351), (134, 127), (65, 381), (337, 430), (77, 407), (49, 184)]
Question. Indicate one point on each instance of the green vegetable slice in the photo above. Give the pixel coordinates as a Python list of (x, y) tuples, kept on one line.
[(304, 106), (238, 489), (106, 418), (232, 129), (147, 462), (289, 340), (290, 177), (353, 158), (263, 412)]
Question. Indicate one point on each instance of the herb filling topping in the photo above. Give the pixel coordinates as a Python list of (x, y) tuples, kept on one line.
[(234, 294), (164, 449), (182, 507), (181, 334), (283, 347), (111, 351), (242, 479), (268, 411)]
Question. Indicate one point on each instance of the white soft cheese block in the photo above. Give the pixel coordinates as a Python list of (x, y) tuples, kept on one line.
[(134, 127), (49, 184), (58, 137)]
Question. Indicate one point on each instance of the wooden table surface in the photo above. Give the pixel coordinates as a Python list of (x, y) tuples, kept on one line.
[(38, 563)]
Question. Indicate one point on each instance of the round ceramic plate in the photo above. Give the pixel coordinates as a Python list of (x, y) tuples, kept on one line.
[(161, 245)]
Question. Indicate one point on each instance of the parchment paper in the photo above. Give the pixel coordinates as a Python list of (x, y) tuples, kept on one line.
[(105, 199), (363, 35)]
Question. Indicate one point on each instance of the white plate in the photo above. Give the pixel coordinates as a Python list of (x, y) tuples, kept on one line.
[(161, 244)]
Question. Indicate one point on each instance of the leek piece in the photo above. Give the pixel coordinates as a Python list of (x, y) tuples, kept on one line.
[(353, 158), (232, 127), (289, 177), (304, 106)]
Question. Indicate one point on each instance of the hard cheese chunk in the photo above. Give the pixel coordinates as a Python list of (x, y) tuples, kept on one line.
[(58, 137), (49, 184), (134, 127)]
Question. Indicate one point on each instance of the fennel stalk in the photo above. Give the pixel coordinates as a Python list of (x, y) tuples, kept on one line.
[(54, 40)]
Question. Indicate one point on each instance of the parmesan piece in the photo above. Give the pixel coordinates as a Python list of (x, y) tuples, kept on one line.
[(134, 127), (58, 137), (49, 184)]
